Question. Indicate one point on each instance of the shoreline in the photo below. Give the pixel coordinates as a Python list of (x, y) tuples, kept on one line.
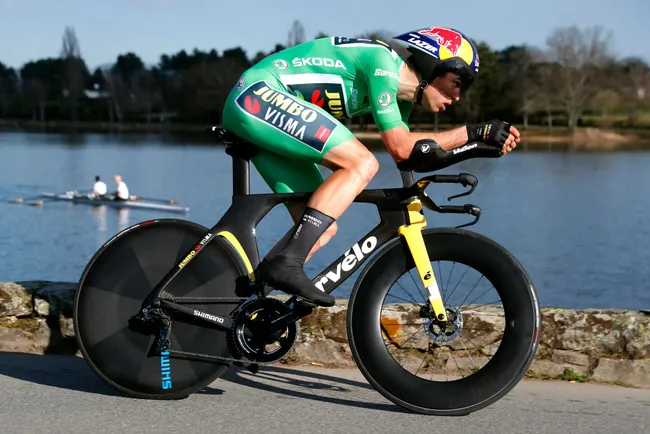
[(537, 137), (610, 346)]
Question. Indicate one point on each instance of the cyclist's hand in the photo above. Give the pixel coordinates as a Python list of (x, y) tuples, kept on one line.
[(495, 133), (511, 142)]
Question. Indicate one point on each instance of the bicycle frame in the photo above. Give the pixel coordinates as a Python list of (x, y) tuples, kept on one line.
[(400, 211)]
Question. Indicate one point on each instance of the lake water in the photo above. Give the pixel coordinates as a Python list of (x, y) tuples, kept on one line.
[(578, 222)]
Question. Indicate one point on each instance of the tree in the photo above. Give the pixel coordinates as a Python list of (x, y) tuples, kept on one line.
[(484, 96), (579, 53), (634, 86), (116, 88), (127, 65), (517, 68), (605, 101), (8, 88), (41, 84), (544, 90), (296, 34), (75, 71), (238, 56), (380, 34)]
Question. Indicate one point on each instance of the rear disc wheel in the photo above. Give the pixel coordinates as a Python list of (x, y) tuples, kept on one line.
[(114, 285)]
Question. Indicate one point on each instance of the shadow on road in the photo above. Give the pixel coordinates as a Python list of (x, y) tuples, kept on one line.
[(72, 373), (64, 371), (315, 386)]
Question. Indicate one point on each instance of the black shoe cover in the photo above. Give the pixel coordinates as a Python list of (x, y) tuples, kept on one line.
[(288, 275)]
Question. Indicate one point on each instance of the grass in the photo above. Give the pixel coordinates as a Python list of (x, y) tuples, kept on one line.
[(568, 375)]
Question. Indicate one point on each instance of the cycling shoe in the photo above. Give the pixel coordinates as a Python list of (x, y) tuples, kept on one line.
[(288, 275)]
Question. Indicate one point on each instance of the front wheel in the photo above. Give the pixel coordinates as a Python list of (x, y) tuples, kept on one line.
[(444, 369)]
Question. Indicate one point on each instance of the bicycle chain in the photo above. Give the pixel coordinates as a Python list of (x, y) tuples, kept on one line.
[(227, 359), (167, 296), (210, 357)]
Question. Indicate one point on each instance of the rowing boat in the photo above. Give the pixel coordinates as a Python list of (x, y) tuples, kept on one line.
[(77, 198)]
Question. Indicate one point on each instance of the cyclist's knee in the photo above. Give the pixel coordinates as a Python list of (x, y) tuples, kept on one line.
[(369, 167), (356, 158)]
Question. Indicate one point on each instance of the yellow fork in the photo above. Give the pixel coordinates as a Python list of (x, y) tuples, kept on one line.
[(412, 232)]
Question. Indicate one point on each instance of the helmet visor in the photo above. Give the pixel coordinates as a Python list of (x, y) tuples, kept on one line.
[(462, 77)]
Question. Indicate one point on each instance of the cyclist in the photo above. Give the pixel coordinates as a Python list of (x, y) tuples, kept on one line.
[(290, 105)]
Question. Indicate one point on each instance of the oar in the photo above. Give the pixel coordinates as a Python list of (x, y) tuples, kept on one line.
[(40, 202), (23, 199), (152, 199)]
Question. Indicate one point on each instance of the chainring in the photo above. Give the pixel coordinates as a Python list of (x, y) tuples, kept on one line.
[(256, 337)]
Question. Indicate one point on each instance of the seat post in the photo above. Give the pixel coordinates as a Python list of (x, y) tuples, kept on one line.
[(240, 176)]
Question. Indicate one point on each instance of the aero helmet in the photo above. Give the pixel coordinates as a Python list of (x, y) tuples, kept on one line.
[(436, 50)]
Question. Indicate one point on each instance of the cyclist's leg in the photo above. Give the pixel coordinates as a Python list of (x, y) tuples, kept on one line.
[(285, 125), (284, 175)]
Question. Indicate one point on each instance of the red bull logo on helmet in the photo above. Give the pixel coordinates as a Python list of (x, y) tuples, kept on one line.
[(445, 38)]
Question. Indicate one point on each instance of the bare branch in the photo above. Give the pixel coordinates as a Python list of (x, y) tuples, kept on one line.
[(296, 34)]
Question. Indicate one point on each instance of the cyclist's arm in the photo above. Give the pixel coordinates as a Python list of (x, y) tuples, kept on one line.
[(399, 141), (391, 115)]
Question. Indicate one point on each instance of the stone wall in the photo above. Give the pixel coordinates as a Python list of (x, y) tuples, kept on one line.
[(611, 346)]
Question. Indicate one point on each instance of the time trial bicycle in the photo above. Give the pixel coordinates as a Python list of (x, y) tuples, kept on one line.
[(166, 306)]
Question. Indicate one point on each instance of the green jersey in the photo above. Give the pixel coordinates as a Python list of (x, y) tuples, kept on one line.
[(344, 76), (291, 104)]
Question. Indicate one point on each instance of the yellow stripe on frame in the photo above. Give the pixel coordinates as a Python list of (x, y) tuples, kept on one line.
[(242, 253)]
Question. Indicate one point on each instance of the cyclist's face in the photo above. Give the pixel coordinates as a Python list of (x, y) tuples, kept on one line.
[(442, 92), (449, 85)]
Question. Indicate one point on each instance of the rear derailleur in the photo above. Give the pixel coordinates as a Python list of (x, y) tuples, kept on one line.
[(153, 321)]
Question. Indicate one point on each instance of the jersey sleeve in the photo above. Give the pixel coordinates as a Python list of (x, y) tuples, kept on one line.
[(405, 108), (382, 75)]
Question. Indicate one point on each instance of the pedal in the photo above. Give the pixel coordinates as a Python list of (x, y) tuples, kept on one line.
[(253, 367), (300, 303)]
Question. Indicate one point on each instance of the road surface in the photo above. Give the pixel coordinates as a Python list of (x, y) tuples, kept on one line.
[(59, 394)]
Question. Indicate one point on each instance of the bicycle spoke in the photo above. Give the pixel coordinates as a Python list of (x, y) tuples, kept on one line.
[(417, 286), (402, 299), (450, 273), (399, 346), (470, 341), (454, 290), (475, 285)]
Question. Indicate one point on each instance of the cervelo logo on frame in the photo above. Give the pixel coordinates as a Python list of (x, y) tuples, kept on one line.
[(349, 262), (286, 114)]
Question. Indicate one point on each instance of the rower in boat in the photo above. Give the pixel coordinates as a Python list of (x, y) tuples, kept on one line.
[(99, 189), (122, 192)]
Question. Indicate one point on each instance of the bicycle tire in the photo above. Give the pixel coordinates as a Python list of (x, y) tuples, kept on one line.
[(114, 284), (495, 379)]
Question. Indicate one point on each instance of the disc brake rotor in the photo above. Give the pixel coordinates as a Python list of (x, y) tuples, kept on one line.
[(445, 332)]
